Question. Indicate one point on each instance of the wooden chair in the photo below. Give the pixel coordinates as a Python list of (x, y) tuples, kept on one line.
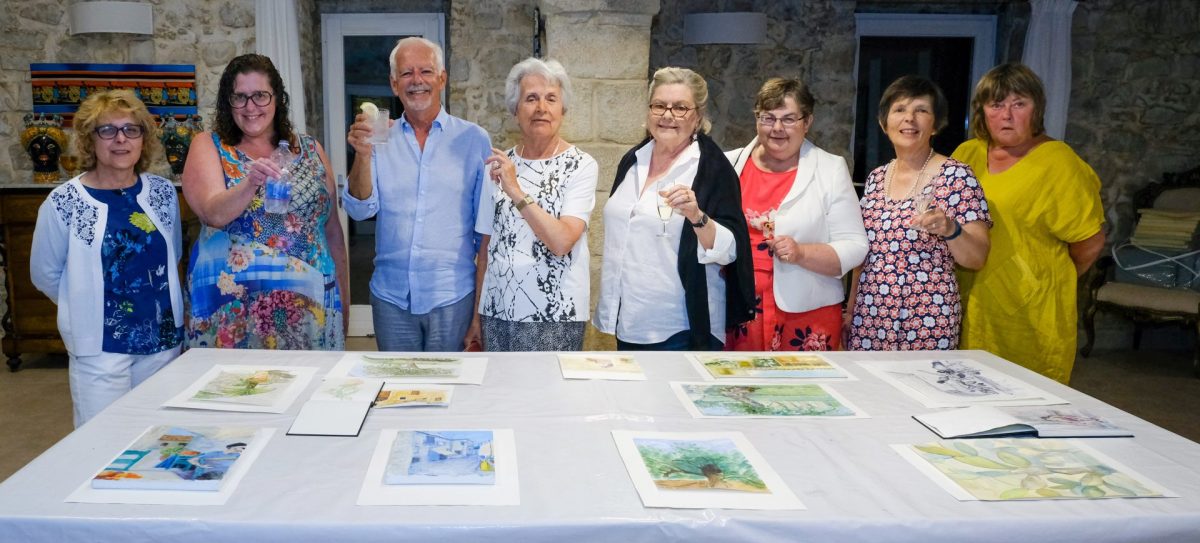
[(1141, 303)]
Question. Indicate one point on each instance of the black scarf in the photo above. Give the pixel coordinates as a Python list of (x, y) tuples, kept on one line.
[(719, 195)]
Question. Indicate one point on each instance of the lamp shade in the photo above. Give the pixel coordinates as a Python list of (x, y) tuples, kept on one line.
[(119, 17), (734, 27)]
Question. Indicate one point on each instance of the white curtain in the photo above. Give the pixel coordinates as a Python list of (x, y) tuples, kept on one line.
[(278, 37), (1048, 54)]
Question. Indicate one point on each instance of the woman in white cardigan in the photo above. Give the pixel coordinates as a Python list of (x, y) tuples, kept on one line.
[(106, 251), (806, 229)]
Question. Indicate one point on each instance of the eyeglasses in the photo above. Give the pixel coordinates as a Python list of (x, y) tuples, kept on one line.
[(260, 99), (676, 110), (788, 122), (131, 131)]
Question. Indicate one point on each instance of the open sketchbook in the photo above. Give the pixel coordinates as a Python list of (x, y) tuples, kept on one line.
[(984, 421), (337, 408)]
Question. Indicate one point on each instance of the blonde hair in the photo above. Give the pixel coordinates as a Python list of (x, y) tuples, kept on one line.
[(996, 85), (692, 80), (119, 102)]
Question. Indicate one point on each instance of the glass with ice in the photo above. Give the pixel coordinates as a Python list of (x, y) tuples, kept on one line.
[(379, 122)]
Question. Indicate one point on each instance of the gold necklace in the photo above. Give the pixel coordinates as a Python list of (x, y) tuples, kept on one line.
[(889, 174)]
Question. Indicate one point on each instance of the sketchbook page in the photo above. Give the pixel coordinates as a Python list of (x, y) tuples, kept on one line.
[(974, 421), (412, 368), (957, 383), (1067, 422), (414, 395), (86, 494), (329, 418), (700, 470), (613, 367), (347, 389), (504, 491), (1008, 469), (251, 389), (768, 365), (729, 399)]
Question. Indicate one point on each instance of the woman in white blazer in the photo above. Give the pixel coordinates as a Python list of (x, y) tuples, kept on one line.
[(106, 251), (806, 230)]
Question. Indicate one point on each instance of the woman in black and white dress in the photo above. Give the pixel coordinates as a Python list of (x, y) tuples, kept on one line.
[(533, 291)]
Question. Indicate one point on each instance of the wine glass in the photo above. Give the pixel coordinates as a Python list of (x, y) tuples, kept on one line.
[(921, 204), (664, 207)]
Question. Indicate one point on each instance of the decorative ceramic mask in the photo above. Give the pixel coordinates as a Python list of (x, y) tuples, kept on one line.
[(177, 137), (44, 140)]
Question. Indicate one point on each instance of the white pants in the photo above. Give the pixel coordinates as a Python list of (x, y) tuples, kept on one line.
[(99, 380)]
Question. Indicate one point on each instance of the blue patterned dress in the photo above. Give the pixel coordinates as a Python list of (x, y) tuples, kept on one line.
[(268, 281)]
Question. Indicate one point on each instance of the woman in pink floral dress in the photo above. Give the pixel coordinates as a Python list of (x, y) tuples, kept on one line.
[(924, 214)]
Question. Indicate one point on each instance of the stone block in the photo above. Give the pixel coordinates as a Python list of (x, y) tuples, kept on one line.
[(580, 119), (218, 54), (634, 7), (621, 111), (609, 52), (607, 156), (238, 14), (1150, 67), (50, 13)]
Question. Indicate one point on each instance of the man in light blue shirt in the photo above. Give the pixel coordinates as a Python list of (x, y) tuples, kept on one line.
[(423, 184)]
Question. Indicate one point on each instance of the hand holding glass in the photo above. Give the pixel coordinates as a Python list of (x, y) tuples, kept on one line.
[(921, 204), (664, 206)]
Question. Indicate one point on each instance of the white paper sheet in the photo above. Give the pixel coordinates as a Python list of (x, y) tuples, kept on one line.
[(610, 366), (958, 382), (329, 418), (467, 370), (86, 494), (505, 491), (280, 400), (771, 409), (779, 497), (834, 372), (962, 494)]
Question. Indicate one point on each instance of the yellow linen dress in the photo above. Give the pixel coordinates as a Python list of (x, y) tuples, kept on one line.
[(1021, 305)]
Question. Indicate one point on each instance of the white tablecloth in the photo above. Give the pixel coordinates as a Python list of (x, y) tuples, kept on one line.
[(574, 486)]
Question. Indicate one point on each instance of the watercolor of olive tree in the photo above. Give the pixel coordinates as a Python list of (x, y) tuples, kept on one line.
[(1022, 469), (715, 464)]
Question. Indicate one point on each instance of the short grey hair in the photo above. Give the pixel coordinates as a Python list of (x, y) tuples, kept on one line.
[(439, 58), (550, 69), (693, 81)]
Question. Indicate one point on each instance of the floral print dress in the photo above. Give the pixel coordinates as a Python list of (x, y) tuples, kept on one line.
[(268, 281), (908, 296)]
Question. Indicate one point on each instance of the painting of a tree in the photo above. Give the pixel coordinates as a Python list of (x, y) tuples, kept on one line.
[(699, 465)]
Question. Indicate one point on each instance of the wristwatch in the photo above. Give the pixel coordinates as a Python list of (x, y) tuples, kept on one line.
[(524, 202), (703, 221)]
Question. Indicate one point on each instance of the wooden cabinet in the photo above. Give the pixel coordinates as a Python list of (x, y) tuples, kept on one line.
[(30, 319)]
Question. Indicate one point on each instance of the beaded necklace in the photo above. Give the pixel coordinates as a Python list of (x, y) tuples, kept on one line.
[(887, 180)]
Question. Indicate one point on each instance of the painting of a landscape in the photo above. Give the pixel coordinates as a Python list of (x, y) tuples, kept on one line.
[(441, 457), (710, 465), (254, 387), (767, 400)]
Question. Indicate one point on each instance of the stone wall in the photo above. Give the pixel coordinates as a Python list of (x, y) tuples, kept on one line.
[(1135, 96), (207, 34)]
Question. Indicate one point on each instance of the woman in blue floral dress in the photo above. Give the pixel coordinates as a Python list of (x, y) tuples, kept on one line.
[(261, 280)]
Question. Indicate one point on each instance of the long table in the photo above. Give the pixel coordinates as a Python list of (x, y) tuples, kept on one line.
[(574, 485)]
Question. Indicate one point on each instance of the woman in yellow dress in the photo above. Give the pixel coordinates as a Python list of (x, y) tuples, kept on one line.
[(1045, 202)]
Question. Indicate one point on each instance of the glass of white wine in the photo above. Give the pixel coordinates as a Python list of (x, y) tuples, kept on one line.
[(664, 207), (921, 203)]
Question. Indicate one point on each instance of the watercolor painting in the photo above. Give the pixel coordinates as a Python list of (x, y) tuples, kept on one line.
[(944, 382), (252, 387), (346, 389), (1025, 469), (607, 363), (957, 377), (426, 395), (176, 458), (717, 400), (710, 465), (391, 367), (441, 457), (768, 366)]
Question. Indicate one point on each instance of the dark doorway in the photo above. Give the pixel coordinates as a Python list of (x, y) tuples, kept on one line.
[(881, 60)]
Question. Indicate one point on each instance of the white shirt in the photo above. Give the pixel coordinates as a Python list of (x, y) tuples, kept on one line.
[(525, 282), (641, 295)]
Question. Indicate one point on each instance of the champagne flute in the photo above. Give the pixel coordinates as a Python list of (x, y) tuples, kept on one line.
[(664, 207)]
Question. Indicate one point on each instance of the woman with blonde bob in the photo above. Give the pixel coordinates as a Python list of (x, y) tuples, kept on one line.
[(676, 266), (1045, 201), (106, 251)]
